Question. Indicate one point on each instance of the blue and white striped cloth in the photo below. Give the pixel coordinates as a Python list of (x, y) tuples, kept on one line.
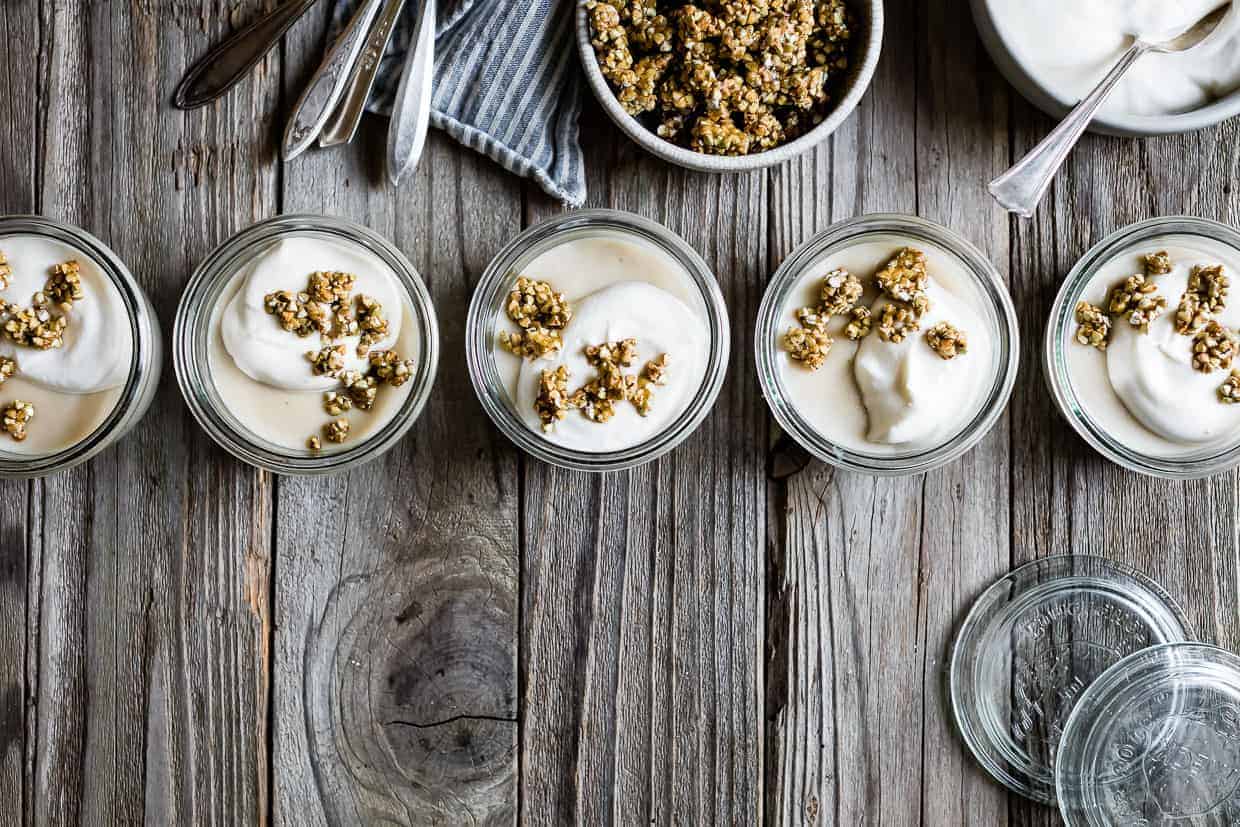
[(506, 84)]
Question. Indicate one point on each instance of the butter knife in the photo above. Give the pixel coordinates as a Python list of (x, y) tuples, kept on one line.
[(343, 123), (318, 100), (411, 110)]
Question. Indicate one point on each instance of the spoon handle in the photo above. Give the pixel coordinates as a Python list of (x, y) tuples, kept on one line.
[(318, 100), (1021, 188), (343, 123), (228, 61)]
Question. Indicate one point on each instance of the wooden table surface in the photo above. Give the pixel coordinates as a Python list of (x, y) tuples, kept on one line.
[(457, 634)]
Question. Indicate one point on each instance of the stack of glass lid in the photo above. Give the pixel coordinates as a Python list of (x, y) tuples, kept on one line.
[(1074, 681)]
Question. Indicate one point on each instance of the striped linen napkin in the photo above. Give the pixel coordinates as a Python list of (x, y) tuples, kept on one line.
[(506, 84)]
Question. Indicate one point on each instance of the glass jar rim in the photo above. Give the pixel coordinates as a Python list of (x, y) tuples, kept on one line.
[(1192, 465), (145, 351), (495, 283), (189, 341), (810, 252)]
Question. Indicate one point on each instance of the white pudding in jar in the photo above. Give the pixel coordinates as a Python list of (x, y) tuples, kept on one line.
[(618, 288), (1143, 390), (874, 395), (1067, 46), (263, 372), (73, 387)]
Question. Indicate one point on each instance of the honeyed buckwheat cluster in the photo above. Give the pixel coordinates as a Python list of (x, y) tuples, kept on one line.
[(37, 326), (542, 313), (723, 77), (611, 385), (903, 280), (1136, 299), (329, 307)]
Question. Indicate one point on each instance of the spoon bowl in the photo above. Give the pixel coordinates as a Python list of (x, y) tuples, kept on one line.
[(1196, 35)]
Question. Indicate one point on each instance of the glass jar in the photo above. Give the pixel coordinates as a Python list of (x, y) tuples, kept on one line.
[(895, 230), (139, 389), (192, 331), (487, 307), (1203, 461)]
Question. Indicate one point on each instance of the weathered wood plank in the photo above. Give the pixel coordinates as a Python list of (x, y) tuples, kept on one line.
[(870, 575), (407, 670), (642, 607), (152, 624), (19, 25), (1070, 499)]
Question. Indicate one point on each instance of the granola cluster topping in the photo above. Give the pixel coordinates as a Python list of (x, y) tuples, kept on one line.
[(947, 340), (1157, 264), (598, 398), (1229, 391), (808, 345), (6, 272), (329, 307), (1093, 326), (64, 287), (15, 417), (900, 319), (724, 77), (541, 313), (841, 290), (1214, 347), (8, 367), (904, 277), (860, 321), (1137, 300)]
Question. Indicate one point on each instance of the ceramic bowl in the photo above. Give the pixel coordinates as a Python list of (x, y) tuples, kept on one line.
[(869, 41), (1130, 126)]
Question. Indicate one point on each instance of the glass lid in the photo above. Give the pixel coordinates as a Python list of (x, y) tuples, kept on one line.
[(1030, 646), (1156, 742)]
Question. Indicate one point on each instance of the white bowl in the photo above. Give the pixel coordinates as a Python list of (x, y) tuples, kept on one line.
[(1132, 126), (868, 42)]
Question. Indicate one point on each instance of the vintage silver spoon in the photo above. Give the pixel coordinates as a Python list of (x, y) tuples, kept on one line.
[(411, 110), (1021, 188), (229, 60), (343, 123), (318, 100)]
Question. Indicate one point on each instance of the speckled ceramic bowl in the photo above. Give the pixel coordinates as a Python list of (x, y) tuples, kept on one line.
[(869, 40), (1131, 126)]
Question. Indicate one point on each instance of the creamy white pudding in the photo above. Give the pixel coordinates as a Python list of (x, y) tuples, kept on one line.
[(72, 387), (1067, 46), (619, 288), (876, 395), (263, 372), (1143, 390)]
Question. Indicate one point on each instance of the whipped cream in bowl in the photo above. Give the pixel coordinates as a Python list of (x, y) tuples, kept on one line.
[(80, 347), (886, 344), (1057, 51), (1139, 347), (597, 340), (306, 345)]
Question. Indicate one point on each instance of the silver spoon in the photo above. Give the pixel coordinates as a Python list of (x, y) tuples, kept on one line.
[(411, 110), (1021, 188), (229, 60), (343, 123), (319, 99)]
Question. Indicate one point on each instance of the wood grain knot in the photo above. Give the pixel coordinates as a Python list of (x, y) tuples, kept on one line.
[(411, 690)]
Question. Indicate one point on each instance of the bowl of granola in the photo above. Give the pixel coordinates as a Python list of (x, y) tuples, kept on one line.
[(729, 85)]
